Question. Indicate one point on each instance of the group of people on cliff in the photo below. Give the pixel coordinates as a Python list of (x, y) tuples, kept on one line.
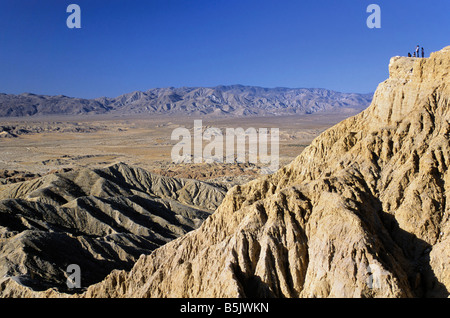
[(416, 52)]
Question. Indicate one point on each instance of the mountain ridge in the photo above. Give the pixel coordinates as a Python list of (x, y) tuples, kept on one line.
[(361, 212), (223, 100)]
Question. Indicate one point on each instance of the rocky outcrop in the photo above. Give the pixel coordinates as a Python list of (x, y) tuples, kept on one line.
[(13, 176), (100, 219), (362, 212)]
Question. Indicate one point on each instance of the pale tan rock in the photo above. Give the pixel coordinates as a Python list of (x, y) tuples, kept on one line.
[(362, 212)]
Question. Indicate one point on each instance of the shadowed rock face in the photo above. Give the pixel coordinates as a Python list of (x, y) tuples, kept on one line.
[(100, 220), (362, 212), (235, 100)]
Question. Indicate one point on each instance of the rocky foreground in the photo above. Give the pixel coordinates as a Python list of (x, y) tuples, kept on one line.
[(362, 212), (101, 220)]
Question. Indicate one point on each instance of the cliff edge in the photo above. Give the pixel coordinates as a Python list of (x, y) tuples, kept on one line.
[(361, 212)]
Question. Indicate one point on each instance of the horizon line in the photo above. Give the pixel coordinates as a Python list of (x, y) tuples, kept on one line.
[(187, 87)]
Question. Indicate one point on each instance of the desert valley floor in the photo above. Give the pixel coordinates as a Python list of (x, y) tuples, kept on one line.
[(32, 147), (100, 191), (358, 207)]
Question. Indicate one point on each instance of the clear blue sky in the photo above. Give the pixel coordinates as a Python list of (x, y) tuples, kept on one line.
[(131, 45)]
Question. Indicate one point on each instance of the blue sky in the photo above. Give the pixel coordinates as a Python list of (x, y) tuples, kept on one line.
[(125, 46)]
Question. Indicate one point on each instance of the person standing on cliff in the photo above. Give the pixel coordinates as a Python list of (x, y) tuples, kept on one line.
[(423, 52), (417, 50)]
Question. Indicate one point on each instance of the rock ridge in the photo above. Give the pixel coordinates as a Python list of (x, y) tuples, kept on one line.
[(361, 212), (100, 219)]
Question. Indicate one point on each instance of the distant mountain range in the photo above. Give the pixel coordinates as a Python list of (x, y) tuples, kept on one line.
[(233, 100)]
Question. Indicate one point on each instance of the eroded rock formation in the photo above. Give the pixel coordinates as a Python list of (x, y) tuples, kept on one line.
[(361, 212), (101, 220)]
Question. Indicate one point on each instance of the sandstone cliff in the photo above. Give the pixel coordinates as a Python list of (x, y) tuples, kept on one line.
[(362, 212)]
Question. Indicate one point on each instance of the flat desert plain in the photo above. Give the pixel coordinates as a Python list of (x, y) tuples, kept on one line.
[(31, 147)]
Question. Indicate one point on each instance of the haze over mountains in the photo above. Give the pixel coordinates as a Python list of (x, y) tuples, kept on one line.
[(361, 212), (234, 100)]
